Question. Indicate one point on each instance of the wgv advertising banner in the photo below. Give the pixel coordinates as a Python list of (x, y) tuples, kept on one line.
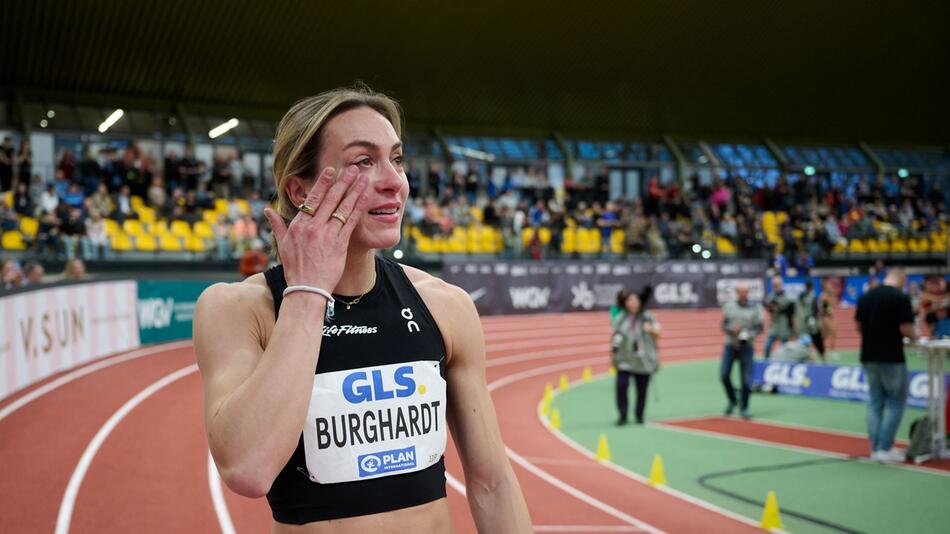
[(845, 382), (166, 308)]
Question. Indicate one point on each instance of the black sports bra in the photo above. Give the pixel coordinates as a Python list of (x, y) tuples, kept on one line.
[(375, 432)]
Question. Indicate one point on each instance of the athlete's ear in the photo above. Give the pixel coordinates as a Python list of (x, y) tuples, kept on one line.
[(297, 189)]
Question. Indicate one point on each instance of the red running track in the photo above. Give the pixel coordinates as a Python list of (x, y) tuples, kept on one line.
[(118, 445)]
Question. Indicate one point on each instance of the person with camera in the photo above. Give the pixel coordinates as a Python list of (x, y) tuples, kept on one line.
[(636, 332), (741, 322), (809, 321), (781, 309)]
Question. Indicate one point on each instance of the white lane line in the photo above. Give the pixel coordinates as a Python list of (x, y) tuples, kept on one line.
[(584, 528), (217, 497), (455, 483), (66, 506), (559, 341), (79, 373), (551, 353)]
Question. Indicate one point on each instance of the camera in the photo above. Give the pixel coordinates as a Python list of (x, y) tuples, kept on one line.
[(744, 336)]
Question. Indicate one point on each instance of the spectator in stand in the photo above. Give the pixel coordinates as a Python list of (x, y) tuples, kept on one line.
[(95, 244), (257, 205), (221, 176), (172, 170), (75, 270), (7, 161), (123, 205), (49, 200), (254, 260), (655, 195), (8, 217), (73, 229), (884, 317), (22, 203), (191, 169), (74, 197), (24, 162), (222, 238), (90, 173), (156, 197), (12, 274), (37, 188), (33, 273), (67, 165), (48, 241), (101, 201), (608, 219), (244, 232), (781, 308)]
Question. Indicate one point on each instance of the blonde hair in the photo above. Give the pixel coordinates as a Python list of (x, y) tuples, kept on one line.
[(299, 140)]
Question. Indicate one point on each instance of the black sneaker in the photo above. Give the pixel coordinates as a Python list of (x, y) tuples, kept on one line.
[(622, 421), (729, 409)]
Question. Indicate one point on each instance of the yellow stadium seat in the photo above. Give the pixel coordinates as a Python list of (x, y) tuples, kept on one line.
[(487, 239), (527, 234), (545, 234), (137, 202), (133, 227), (181, 228), (243, 206), (478, 215), (425, 244), (29, 226), (569, 240), (724, 246), (112, 227), (618, 239), (209, 216), (146, 215), (169, 243), (857, 247), (203, 230), (8, 197), (145, 243), (899, 246), (121, 242), (195, 244), (159, 228), (220, 205), (840, 248), (13, 240), (937, 244)]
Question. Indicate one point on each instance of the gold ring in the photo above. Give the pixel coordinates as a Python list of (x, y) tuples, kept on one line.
[(336, 215), (309, 210)]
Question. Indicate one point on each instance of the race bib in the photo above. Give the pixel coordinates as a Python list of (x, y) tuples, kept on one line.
[(375, 422)]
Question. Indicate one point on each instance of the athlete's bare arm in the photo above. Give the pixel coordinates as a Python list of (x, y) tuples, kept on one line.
[(257, 390), (494, 495)]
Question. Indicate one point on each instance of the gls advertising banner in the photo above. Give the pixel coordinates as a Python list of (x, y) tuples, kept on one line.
[(551, 286), (830, 381), (166, 308)]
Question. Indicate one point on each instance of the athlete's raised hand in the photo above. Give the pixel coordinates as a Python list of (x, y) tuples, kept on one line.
[(313, 246)]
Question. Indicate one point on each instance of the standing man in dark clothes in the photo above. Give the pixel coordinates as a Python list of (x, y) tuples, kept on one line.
[(885, 317), (741, 322), (782, 310)]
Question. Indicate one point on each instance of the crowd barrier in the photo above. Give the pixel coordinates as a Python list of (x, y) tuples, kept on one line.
[(52, 329)]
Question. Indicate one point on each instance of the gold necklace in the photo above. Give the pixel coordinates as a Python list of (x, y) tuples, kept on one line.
[(353, 302)]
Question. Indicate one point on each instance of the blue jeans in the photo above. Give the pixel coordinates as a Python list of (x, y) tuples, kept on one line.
[(887, 394), (743, 353), (769, 341)]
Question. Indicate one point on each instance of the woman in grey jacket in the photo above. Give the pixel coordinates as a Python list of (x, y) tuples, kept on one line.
[(635, 335)]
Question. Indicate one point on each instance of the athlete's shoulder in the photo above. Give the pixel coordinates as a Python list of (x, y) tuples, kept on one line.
[(251, 294)]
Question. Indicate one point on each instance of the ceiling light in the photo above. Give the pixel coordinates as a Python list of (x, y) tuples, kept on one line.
[(706, 254), (43, 123), (397, 254), (696, 248), (902, 172), (472, 153), (50, 114), (809, 170), (106, 124), (218, 130)]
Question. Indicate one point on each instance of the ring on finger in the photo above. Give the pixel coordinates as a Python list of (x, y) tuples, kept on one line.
[(338, 216), (309, 210)]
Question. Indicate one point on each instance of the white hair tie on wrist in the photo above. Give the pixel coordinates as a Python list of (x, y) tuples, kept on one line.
[(319, 291)]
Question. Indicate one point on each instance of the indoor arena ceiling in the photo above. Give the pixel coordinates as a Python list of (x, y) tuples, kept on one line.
[(809, 70)]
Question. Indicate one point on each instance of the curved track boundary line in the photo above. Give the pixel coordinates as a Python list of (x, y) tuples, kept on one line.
[(637, 477), (83, 371), (217, 497), (68, 502)]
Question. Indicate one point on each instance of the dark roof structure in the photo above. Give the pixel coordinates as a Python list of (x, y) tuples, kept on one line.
[(809, 70)]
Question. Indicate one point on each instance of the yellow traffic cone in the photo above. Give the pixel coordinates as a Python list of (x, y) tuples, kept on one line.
[(563, 383), (545, 408), (613, 371), (586, 375), (548, 393), (555, 419), (603, 449), (771, 517), (657, 476)]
